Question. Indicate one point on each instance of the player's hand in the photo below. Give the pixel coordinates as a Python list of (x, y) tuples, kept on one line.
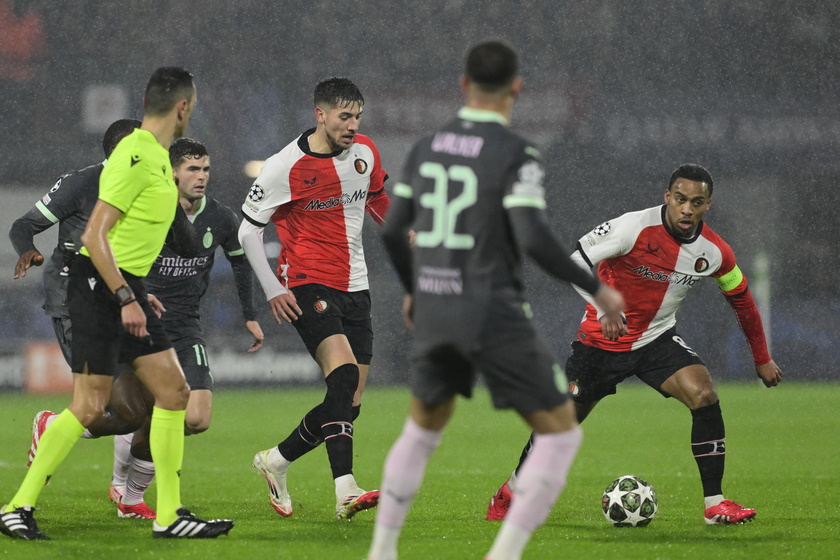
[(156, 304), (284, 307), (611, 302), (613, 326), (770, 373), (30, 258), (255, 330), (607, 299), (408, 310), (134, 319), (412, 238)]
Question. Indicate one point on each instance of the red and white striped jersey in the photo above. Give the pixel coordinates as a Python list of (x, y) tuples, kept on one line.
[(636, 254), (318, 204)]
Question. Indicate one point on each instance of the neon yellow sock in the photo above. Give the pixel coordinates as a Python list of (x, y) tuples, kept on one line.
[(166, 439), (55, 445)]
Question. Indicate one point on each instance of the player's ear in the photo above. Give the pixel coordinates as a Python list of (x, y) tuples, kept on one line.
[(320, 115), (465, 84), (516, 87), (181, 107)]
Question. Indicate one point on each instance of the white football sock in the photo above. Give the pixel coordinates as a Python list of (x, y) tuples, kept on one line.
[(541, 479), (122, 459), (712, 501), (404, 470), (140, 476)]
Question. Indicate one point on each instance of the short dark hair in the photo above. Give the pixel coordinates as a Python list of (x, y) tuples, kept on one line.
[(692, 172), (116, 132), (492, 65), (183, 148), (337, 92), (166, 87)]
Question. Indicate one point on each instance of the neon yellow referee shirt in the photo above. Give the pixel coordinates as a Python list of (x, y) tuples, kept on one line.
[(138, 180)]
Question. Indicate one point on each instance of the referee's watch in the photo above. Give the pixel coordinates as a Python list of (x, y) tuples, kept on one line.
[(124, 295)]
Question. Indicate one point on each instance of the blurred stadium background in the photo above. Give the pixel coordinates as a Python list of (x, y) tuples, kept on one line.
[(617, 94)]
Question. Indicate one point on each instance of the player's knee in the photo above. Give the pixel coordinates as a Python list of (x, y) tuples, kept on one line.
[(196, 424), (193, 428), (87, 415), (703, 396), (173, 398), (342, 383)]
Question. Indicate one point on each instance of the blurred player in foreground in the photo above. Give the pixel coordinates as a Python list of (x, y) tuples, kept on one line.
[(654, 257), (473, 193)]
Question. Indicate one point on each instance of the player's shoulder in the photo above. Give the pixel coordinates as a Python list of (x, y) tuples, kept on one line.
[(84, 174), (640, 219), (711, 236), (623, 229), (284, 159), (77, 180), (138, 152), (214, 208), (364, 140)]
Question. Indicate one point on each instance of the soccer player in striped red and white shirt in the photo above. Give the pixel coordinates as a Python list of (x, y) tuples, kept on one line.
[(317, 191), (654, 257)]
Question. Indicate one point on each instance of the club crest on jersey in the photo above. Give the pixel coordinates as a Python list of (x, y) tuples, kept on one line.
[(320, 306), (208, 239), (256, 193), (603, 229), (532, 173), (360, 165), (574, 388), (701, 265)]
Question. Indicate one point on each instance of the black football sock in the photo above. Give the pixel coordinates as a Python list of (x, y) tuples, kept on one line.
[(525, 451), (708, 443), (304, 438), (337, 418)]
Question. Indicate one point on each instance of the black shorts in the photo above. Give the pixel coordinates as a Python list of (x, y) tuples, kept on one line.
[(517, 365), (594, 373), (187, 339), (193, 360), (99, 339), (64, 334), (327, 311)]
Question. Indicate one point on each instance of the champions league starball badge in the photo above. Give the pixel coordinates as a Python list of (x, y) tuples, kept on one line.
[(603, 229), (256, 193)]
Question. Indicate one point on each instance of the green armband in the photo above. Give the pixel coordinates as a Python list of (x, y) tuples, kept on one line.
[(731, 279)]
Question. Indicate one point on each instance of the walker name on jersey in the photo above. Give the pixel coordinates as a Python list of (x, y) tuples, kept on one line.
[(670, 277), (179, 266), (457, 144), (316, 204), (440, 281)]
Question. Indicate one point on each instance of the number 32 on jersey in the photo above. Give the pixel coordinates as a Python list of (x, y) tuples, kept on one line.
[(445, 211)]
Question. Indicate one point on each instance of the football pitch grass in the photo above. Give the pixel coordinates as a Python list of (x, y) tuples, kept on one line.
[(783, 459)]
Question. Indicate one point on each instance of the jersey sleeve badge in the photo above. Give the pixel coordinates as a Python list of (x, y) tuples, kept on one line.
[(603, 229)]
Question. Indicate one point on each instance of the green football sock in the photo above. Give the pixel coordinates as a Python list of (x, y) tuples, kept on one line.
[(55, 445), (166, 439)]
